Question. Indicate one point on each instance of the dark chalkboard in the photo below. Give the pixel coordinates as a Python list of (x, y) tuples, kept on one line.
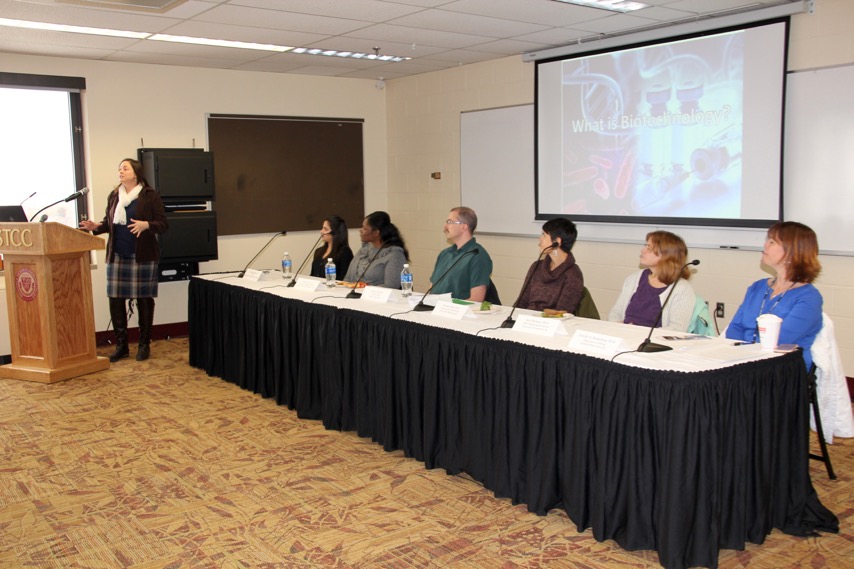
[(285, 173)]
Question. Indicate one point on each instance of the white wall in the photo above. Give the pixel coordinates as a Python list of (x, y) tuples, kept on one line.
[(126, 104), (423, 125), (412, 129)]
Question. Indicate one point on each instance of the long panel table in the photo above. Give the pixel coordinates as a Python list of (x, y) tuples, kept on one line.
[(685, 463)]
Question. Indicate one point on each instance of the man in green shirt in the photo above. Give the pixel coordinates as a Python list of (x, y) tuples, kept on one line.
[(469, 278)]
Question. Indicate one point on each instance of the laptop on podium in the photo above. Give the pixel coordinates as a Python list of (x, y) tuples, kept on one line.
[(12, 213)]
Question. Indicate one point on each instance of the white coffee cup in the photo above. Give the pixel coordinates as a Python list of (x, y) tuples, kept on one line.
[(769, 330)]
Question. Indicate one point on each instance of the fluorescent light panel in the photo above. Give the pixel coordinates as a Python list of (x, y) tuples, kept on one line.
[(220, 43), (612, 5), (72, 29), (196, 41)]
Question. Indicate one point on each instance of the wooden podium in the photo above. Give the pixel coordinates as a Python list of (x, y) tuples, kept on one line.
[(49, 297)]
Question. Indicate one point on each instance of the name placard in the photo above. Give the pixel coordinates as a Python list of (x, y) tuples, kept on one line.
[(253, 275), (451, 310), (538, 325), (595, 343), (308, 284), (379, 294)]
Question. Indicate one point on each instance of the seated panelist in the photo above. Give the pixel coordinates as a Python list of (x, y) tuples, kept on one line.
[(382, 255), (644, 292), (336, 244), (465, 278), (555, 281), (791, 253)]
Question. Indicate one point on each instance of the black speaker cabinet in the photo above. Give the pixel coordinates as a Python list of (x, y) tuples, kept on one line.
[(191, 237), (181, 175)]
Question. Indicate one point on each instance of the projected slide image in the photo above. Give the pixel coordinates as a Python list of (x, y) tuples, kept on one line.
[(654, 131)]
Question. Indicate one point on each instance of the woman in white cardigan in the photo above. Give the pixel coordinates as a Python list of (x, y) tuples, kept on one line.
[(663, 257)]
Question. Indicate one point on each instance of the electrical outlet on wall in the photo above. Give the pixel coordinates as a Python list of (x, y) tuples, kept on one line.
[(719, 309)]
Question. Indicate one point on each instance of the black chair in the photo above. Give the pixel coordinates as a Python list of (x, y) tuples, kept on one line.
[(813, 394), (492, 293)]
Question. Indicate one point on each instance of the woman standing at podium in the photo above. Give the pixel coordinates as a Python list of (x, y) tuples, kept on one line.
[(135, 216)]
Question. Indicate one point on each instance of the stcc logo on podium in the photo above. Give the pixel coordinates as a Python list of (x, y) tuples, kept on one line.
[(26, 284), (16, 237)]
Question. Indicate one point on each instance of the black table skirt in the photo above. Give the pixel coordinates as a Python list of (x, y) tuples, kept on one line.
[(682, 463)]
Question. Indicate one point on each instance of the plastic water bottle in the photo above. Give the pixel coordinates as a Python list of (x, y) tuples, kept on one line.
[(287, 266), (330, 273), (406, 281)]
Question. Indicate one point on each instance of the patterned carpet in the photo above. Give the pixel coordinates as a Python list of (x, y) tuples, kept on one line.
[(155, 465)]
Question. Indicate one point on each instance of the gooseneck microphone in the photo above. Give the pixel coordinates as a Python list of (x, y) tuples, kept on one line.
[(421, 307), (28, 197), (73, 196), (353, 293), (508, 323), (264, 248), (310, 251), (648, 346), (76, 195)]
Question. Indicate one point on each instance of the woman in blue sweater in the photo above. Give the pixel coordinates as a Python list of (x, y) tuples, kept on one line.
[(791, 252)]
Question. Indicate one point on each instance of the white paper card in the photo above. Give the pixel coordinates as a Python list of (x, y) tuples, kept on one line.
[(377, 294), (594, 343), (433, 299), (451, 310), (539, 325), (308, 284), (253, 275)]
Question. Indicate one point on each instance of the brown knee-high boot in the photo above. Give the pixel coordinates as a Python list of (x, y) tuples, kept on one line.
[(119, 315), (145, 310)]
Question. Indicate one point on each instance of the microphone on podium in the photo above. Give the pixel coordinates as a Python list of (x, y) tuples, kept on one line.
[(647, 346), (76, 195), (264, 248), (421, 307), (508, 323), (310, 251), (73, 196)]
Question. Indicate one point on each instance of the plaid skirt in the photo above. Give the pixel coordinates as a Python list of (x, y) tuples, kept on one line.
[(128, 279)]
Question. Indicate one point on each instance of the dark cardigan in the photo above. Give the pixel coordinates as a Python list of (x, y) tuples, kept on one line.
[(149, 208)]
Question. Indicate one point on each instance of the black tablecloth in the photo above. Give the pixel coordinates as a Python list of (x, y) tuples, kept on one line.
[(682, 463)]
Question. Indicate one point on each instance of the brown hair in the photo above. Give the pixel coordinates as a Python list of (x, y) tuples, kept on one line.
[(801, 248), (673, 252), (467, 216), (136, 166)]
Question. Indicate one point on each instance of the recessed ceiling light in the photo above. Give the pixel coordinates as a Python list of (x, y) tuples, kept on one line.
[(197, 41), (612, 5), (71, 29), (220, 43)]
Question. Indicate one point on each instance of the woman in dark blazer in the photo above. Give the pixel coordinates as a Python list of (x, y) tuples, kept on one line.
[(134, 218)]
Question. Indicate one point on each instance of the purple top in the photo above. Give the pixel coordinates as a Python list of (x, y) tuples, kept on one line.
[(645, 304)]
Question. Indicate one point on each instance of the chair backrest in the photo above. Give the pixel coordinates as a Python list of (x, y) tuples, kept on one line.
[(586, 307), (492, 293), (832, 387), (701, 320)]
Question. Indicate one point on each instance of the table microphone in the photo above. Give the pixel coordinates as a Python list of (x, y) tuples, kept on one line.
[(264, 248), (310, 251), (421, 307), (353, 293), (648, 346), (508, 323)]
